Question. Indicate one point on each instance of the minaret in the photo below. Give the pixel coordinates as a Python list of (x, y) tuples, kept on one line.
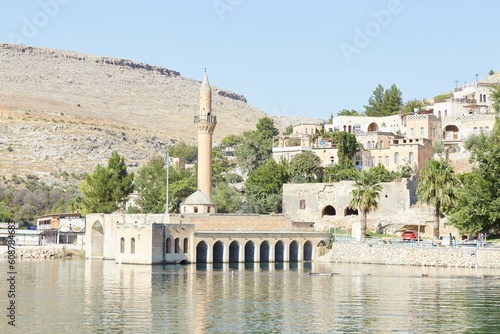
[(205, 123)]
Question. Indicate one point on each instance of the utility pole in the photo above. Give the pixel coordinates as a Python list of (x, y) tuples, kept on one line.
[(166, 195)]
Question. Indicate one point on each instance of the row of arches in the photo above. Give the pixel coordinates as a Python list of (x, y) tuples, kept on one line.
[(330, 211), (250, 252), (177, 246)]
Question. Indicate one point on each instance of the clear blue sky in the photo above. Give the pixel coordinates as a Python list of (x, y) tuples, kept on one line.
[(300, 58)]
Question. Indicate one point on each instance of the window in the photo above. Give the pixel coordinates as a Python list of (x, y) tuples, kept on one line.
[(446, 112), (302, 204), (412, 132), (396, 158), (122, 245), (195, 209), (381, 144), (186, 245), (373, 161), (387, 160), (132, 246), (379, 160), (332, 161), (484, 98), (422, 131), (410, 157), (168, 245)]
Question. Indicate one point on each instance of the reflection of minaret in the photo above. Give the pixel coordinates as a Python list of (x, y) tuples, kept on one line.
[(205, 123)]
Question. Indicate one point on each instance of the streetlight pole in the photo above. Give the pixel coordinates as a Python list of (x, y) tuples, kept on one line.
[(166, 192)]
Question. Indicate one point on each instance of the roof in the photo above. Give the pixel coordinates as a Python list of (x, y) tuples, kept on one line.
[(198, 198), (205, 85)]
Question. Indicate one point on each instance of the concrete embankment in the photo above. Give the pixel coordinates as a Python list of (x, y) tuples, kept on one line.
[(44, 252), (464, 257)]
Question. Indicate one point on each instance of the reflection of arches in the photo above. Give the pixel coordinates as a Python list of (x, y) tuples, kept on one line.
[(218, 255), (249, 252), (201, 252), (97, 236), (294, 251), (234, 252), (308, 248), (350, 212), (264, 251), (329, 211), (279, 251), (373, 127)]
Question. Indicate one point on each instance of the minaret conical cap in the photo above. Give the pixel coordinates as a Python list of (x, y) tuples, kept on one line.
[(205, 85)]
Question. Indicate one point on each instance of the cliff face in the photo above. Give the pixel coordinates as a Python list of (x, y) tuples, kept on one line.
[(67, 111)]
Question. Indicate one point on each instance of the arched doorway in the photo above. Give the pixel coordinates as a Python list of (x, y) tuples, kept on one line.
[(294, 251), (201, 252), (234, 252), (373, 127), (451, 132), (218, 255), (350, 212), (97, 243), (329, 211), (249, 252), (308, 250), (264, 251), (279, 251)]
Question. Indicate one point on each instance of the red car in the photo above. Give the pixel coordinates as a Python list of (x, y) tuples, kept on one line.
[(409, 235)]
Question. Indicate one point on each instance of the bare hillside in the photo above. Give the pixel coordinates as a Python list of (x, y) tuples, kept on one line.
[(67, 111)]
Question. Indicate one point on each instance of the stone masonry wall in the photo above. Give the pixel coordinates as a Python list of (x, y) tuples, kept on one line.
[(413, 255)]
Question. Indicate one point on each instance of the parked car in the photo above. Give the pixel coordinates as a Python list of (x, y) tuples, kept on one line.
[(409, 235)]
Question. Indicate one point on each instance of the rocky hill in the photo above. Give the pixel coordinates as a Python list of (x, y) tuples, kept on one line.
[(63, 111)]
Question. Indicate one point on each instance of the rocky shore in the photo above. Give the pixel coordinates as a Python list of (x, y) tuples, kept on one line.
[(43, 252)]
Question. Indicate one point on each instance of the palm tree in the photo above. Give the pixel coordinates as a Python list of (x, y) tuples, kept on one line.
[(365, 196), (437, 186)]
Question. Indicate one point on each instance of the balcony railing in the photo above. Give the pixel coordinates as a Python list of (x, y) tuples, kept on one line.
[(205, 118)]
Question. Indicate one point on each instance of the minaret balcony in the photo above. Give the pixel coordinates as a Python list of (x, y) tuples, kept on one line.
[(205, 119)]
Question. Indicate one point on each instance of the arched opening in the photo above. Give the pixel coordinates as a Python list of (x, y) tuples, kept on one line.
[(169, 245), (186, 245), (177, 245), (249, 252), (201, 252), (132, 246), (264, 251), (308, 250), (373, 127), (97, 235), (294, 252), (234, 252), (122, 245), (279, 251), (350, 212), (218, 254), (329, 211), (451, 132)]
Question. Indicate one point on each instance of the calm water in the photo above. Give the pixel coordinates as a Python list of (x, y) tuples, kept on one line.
[(77, 296)]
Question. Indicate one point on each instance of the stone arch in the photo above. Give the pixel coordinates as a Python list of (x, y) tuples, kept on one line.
[(373, 127), (97, 243), (234, 252), (308, 251), (177, 245), (201, 252), (328, 211), (451, 132), (218, 252), (294, 252), (186, 245), (249, 252), (264, 251), (279, 251), (348, 211)]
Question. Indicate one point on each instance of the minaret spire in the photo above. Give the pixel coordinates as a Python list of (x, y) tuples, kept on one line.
[(205, 122)]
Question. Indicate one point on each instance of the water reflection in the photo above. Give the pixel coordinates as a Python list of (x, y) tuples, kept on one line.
[(101, 296)]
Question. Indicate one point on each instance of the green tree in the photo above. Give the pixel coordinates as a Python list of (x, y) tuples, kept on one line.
[(375, 105), (231, 140), (339, 173), (182, 183), (228, 200), (495, 97), (411, 105), (382, 174), (305, 168), (491, 72), (265, 125), (264, 186), (288, 130), (365, 196), (150, 184), (107, 187), (392, 101), (437, 186), (184, 151), (346, 112)]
